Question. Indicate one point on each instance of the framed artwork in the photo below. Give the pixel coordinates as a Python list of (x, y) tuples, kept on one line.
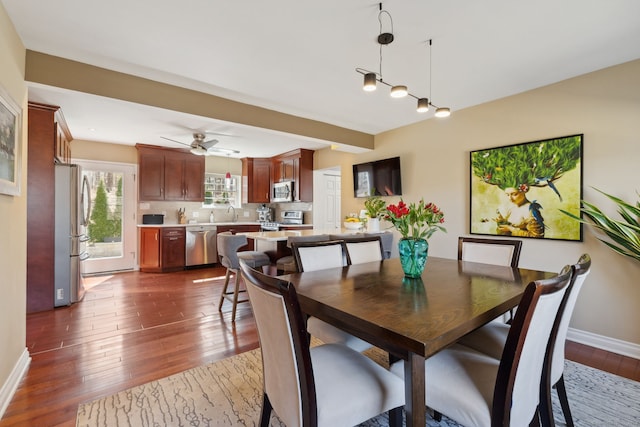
[(10, 126), (518, 190)]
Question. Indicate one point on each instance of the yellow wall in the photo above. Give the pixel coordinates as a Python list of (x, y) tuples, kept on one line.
[(605, 106), (13, 209)]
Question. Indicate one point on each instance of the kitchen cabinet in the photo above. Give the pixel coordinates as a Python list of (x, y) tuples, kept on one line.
[(162, 249), (48, 143), (297, 166), (256, 180), (169, 174)]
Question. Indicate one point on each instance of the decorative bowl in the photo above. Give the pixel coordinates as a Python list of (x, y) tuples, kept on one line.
[(352, 225)]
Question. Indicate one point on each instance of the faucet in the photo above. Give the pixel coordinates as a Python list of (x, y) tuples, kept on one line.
[(235, 215)]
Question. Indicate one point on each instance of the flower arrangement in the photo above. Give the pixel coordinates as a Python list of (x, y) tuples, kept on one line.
[(417, 220)]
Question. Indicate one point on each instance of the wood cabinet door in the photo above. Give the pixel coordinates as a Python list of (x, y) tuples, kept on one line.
[(151, 175), (261, 181), (174, 166), (149, 249), (173, 249), (194, 178)]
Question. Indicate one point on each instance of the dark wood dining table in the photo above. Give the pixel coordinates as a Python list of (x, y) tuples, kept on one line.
[(412, 319)]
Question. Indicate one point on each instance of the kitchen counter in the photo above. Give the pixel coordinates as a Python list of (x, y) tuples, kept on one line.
[(220, 223), (283, 235)]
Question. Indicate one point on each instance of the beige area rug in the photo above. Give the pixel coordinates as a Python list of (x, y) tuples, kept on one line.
[(229, 393)]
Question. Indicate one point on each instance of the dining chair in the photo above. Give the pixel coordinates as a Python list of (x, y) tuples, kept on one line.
[(364, 249), (385, 237), (490, 339), (490, 251), (327, 385), (505, 252), (228, 245), (475, 389), (287, 264), (312, 256)]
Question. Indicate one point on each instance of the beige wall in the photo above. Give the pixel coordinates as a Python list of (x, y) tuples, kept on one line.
[(13, 209), (605, 106)]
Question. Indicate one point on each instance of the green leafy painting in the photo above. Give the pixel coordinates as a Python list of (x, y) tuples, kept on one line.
[(518, 190)]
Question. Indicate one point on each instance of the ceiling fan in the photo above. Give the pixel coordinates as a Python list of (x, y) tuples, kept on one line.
[(200, 147)]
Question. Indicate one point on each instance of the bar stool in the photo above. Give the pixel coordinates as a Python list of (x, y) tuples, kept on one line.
[(228, 245)]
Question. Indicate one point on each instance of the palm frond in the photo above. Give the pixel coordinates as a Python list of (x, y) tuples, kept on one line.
[(623, 236)]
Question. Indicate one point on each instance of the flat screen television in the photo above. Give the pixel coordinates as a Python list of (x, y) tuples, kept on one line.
[(380, 177)]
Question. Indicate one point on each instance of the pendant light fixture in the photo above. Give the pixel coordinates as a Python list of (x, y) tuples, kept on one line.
[(371, 78), (227, 176)]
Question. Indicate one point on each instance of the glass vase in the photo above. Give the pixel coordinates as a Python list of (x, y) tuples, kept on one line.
[(413, 255)]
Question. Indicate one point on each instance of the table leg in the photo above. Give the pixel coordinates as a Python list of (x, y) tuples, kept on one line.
[(415, 406)]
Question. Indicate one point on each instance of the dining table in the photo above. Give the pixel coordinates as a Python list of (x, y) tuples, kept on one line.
[(412, 319)]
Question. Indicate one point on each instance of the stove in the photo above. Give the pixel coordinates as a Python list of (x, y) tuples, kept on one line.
[(269, 226)]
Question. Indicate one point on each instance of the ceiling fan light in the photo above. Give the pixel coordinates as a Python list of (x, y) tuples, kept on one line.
[(399, 91), (369, 82), (443, 112), (423, 105), (198, 151)]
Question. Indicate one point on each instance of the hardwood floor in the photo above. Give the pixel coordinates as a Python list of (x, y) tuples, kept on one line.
[(132, 328)]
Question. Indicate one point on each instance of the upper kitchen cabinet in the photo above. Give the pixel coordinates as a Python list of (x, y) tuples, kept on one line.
[(256, 180), (169, 174), (297, 166)]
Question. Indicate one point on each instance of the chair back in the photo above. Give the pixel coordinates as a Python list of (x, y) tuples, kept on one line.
[(517, 391), (364, 249), (288, 374), (228, 245), (313, 238), (582, 270), (489, 251), (311, 256)]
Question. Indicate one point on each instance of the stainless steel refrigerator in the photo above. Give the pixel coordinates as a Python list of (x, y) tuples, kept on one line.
[(72, 210)]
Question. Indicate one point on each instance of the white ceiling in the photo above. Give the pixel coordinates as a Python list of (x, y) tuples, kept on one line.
[(299, 57)]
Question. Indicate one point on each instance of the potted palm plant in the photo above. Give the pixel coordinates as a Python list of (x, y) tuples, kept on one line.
[(376, 209), (624, 236)]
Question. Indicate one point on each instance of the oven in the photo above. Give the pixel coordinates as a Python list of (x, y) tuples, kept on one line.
[(282, 192)]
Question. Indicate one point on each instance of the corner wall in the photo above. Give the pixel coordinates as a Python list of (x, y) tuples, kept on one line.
[(13, 227), (605, 106)]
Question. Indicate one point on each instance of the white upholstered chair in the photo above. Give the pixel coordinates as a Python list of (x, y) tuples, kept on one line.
[(475, 389), (312, 256), (489, 251), (228, 245), (505, 252), (287, 264), (491, 338), (364, 249), (328, 385)]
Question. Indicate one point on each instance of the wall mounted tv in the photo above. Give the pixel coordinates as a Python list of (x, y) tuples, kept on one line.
[(380, 177)]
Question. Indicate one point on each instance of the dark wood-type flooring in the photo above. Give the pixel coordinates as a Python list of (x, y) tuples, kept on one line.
[(132, 328)]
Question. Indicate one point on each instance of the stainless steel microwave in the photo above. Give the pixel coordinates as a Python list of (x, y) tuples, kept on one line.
[(282, 191)]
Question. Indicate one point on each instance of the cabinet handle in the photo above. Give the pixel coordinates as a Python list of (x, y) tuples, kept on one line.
[(173, 238)]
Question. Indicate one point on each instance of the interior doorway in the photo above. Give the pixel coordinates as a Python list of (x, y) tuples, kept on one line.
[(326, 199), (112, 223)]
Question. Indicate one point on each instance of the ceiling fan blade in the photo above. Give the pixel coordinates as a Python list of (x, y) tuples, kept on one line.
[(178, 142), (208, 144), (222, 150)]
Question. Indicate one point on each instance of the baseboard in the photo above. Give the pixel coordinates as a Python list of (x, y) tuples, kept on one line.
[(605, 343), (11, 385)]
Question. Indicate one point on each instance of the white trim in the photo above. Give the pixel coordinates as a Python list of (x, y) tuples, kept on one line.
[(613, 345), (11, 385)]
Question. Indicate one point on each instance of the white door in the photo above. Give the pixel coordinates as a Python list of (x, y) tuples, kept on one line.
[(327, 194), (112, 223)]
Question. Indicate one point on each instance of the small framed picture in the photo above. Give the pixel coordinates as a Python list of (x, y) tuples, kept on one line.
[(518, 190), (10, 145)]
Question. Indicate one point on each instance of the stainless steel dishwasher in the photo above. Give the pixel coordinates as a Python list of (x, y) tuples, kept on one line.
[(201, 245)]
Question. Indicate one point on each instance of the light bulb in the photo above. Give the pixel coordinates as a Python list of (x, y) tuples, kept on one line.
[(399, 91), (442, 112), (369, 82), (423, 105)]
